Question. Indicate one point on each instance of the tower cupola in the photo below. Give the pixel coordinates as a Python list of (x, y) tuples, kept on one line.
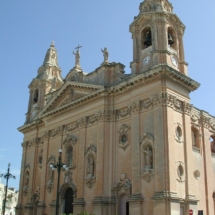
[(48, 80), (157, 35)]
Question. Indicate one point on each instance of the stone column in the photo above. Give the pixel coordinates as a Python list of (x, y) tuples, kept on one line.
[(135, 199), (78, 205), (28, 209), (134, 68), (135, 204), (40, 208), (79, 201), (43, 190), (189, 185), (183, 64), (99, 185)]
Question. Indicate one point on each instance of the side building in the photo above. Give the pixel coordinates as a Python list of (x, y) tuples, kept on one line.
[(133, 143), (11, 200)]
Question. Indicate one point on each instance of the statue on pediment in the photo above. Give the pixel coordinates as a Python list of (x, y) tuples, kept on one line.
[(77, 57), (105, 54)]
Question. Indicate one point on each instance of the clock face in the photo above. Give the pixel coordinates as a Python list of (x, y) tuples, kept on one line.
[(146, 60), (174, 61)]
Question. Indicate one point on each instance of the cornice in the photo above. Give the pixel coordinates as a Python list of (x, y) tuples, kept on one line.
[(30, 125), (111, 115), (155, 14), (158, 72)]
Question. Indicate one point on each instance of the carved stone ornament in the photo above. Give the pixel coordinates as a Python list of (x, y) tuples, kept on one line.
[(57, 131), (212, 126), (90, 149), (26, 179), (70, 140), (205, 120), (147, 174), (45, 135), (33, 142), (180, 171), (90, 175), (194, 118), (40, 158), (50, 183), (123, 136), (91, 165), (179, 133), (165, 98), (72, 97), (68, 177), (35, 197), (71, 127), (122, 187), (82, 122), (147, 158)]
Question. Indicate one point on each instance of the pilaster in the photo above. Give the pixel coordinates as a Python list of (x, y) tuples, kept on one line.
[(81, 157), (135, 155), (135, 204), (78, 205)]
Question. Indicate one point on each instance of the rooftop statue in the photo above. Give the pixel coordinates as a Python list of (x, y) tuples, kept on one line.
[(105, 54), (77, 57)]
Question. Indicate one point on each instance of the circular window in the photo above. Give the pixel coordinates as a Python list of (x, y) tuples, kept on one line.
[(180, 171), (196, 174), (179, 132), (123, 139)]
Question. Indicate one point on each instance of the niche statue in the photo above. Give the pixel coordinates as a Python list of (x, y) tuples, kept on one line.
[(148, 154)]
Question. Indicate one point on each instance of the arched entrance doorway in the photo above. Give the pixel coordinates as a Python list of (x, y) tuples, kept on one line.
[(68, 197)]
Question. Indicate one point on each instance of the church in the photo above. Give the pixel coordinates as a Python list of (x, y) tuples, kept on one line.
[(130, 144)]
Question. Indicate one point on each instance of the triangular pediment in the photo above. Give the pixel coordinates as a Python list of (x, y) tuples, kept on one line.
[(69, 93)]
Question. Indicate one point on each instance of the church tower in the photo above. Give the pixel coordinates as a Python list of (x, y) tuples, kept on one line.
[(132, 143), (157, 35), (47, 81)]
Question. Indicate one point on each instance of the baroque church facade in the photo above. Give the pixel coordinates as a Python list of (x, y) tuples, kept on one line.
[(133, 143)]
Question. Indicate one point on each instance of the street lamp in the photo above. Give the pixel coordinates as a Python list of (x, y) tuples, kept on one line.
[(7, 176), (58, 166)]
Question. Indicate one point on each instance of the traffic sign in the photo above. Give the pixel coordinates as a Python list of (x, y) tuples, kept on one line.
[(190, 212)]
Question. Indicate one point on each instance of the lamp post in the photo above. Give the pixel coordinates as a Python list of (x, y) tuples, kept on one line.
[(7, 176), (58, 166)]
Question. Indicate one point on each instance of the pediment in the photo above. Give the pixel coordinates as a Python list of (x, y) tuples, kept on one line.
[(69, 93), (69, 96)]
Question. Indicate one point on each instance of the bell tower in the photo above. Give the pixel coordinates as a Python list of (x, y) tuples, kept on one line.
[(48, 80), (157, 35)]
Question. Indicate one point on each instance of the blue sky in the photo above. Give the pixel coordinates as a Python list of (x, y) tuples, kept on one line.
[(28, 27)]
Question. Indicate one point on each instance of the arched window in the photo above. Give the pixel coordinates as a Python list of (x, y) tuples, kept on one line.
[(195, 140), (146, 38), (212, 142), (171, 38), (36, 96)]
